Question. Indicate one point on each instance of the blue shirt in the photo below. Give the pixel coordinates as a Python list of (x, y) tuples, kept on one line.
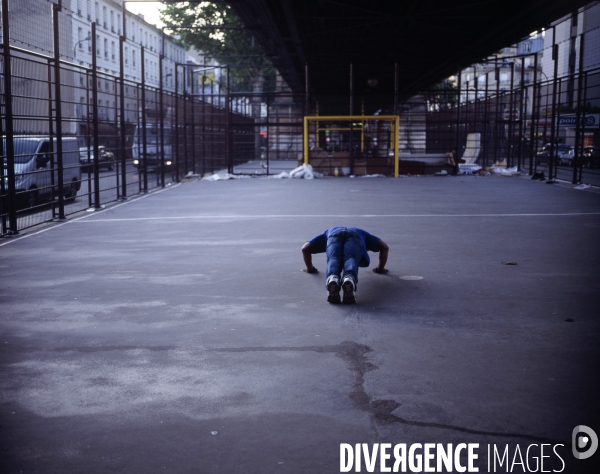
[(318, 244)]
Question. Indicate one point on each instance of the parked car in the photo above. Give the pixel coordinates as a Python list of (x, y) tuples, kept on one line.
[(86, 158), (34, 163), (543, 156), (566, 158), (591, 157)]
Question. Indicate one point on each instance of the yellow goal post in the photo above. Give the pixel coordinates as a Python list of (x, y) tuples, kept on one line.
[(394, 131)]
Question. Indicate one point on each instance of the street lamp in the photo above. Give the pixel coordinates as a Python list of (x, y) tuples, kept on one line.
[(78, 43)]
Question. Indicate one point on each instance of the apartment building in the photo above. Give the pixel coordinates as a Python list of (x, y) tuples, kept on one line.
[(504, 71), (31, 29), (112, 22), (576, 39)]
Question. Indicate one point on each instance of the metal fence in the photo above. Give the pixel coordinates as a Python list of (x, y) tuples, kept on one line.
[(534, 106), (509, 135), (77, 135)]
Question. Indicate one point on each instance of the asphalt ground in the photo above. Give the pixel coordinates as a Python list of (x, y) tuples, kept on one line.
[(177, 333)]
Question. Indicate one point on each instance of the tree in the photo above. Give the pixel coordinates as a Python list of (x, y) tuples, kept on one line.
[(443, 95), (250, 69)]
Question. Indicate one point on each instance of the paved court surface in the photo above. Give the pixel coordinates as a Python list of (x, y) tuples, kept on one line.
[(176, 333)]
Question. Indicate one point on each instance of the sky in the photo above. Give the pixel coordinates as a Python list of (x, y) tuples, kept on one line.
[(150, 10)]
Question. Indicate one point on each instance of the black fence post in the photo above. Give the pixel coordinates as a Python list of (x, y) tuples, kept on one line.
[(88, 137), (143, 112), (583, 120), (521, 115), (58, 112), (203, 126), (162, 121), (10, 149), (175, 135), (3, 223), (193, 122), (122, 124), (95, 152), (553, 131), (577, 162), (511, 115), (268, 118), (351, 112), (185, 120), (227, 124), (486, 108), (496, 113), (51, 134), (458, 155), (534, 105)]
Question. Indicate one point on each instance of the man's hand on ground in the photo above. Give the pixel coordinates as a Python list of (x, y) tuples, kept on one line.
[(380, 270), (311, 270)]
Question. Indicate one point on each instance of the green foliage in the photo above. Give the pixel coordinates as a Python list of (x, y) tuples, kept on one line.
[(444, 94), (250, 68)]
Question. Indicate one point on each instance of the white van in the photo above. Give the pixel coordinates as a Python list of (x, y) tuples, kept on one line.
[(33, 168), (153, 146)]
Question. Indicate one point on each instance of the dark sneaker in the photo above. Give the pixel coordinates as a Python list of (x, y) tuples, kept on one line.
[(334, 292), (348, 288)]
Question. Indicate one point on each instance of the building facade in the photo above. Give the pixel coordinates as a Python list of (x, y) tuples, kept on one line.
[(32, 30), (112, 22)]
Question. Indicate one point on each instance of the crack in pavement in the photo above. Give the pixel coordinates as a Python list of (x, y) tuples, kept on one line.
[(354, 355)]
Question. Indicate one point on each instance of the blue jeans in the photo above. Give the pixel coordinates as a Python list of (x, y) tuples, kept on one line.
[(344, 252)]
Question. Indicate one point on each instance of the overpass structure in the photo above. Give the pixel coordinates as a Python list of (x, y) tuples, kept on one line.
[(427, 40)]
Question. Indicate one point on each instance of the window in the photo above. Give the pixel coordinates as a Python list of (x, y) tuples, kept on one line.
[(104, 17), (112, 21), (113, 51), (105, 48), (504, 78), (126, 55), (97, 13)]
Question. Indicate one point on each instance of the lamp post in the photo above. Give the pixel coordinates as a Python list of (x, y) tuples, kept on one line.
[(78, 43)]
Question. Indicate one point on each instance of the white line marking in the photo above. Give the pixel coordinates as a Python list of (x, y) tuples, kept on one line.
[(336, 216), (16, 239)]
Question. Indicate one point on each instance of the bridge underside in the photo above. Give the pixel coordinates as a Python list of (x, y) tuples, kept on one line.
[(428, 40)]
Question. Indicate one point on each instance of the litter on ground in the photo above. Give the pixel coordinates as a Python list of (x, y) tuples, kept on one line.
[(221, 176), (581, 187), (506, 171)]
